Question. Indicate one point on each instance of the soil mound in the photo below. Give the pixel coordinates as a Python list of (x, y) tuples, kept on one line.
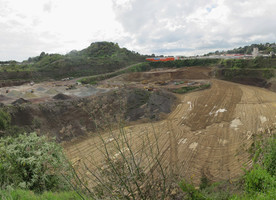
[(61, 96), (20, 101), (143, 104)]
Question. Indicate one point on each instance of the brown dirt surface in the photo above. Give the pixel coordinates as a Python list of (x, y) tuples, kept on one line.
[(3, 98), (209, 133), (45, 91), (191, 73)]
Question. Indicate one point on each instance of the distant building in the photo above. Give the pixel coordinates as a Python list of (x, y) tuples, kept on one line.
[(255, 52)]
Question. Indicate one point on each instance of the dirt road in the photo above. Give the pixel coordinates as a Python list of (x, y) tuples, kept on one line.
[(208, 133)]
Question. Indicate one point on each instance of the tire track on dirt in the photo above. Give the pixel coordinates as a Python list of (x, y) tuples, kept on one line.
[(208, 133)]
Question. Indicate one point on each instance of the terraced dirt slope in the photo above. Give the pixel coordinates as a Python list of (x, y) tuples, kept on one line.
[(208, 133), (190, 73)]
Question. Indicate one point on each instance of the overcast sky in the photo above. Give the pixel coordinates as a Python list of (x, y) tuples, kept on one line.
[(168, 27)]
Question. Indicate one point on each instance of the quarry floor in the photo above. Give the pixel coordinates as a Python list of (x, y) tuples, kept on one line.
[(45, 91), (209, 133)]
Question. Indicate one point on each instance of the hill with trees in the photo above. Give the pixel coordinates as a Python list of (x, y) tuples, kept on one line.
[(98, 58)]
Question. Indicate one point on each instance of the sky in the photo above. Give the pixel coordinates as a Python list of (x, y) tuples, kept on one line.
[(162, 27)]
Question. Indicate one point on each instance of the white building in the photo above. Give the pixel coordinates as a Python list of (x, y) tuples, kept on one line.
[(255, 52)]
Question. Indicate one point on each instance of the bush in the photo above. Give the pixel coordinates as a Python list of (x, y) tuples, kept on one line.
[(259, 180), (5, 120), (269, 160), (191, 191), (268, 195), (32, 162)]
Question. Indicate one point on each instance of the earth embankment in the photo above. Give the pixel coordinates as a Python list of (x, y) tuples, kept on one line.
[(208, 134)]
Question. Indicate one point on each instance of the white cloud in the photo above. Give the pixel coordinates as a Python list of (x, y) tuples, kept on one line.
[(190, 26), (54, 26), (156, 26), (47, 7)]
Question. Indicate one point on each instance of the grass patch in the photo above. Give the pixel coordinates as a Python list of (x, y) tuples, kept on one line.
[(223, 190), (29, 195)]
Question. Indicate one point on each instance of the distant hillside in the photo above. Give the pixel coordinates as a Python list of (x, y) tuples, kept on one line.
[(98, 58), (265, 48)]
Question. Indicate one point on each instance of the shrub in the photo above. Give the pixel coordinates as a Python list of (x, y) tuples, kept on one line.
[(32, 162), (191, 191), (5, 120), (268, 195), (269, 160), (258, 180), (204, 182)]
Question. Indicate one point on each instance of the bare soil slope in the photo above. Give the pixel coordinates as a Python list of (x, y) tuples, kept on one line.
[(170, 74), (208, 133)]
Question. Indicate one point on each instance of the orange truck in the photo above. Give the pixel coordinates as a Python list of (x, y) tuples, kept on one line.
[(162, 59)]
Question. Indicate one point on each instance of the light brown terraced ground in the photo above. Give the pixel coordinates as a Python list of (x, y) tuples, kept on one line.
[(208, 133)]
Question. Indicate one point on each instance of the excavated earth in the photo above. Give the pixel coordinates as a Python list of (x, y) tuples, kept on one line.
[(67, 118), (208, 134)]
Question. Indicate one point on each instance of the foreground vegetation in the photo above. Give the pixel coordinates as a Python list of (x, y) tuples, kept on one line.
[(31, 162), (19, 194), (25, 176), (260, 181)]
